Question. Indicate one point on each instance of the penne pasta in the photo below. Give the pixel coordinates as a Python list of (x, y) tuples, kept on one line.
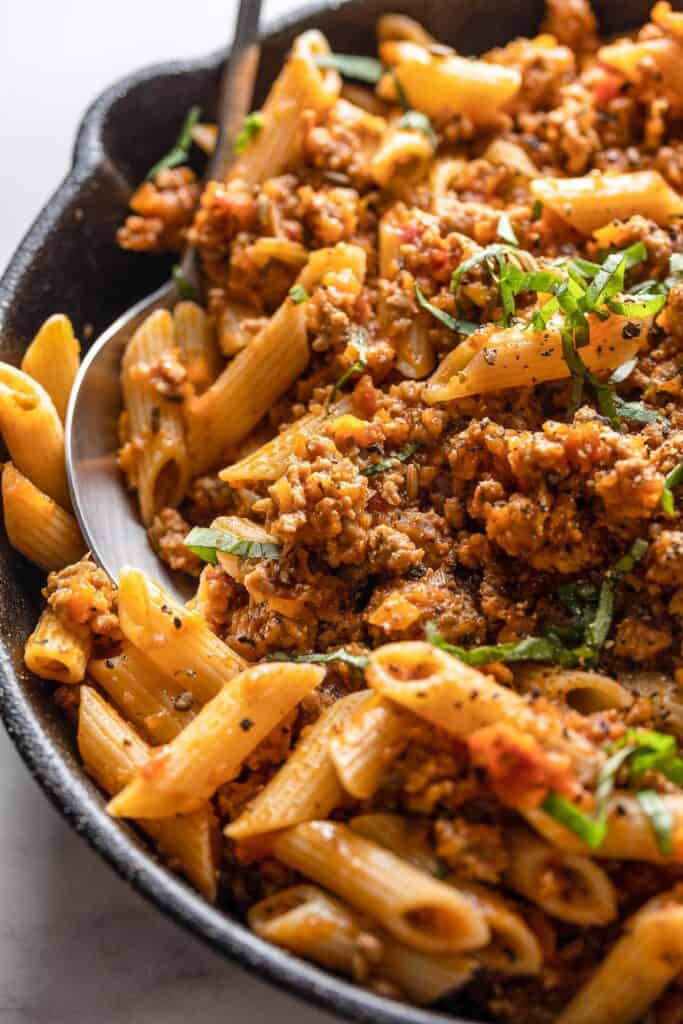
[(645, 959), (306, 787), (54, 652), (590, 202), (176, 640), (630, 835), (513, 948), (155, 458), (310, 923), (27, 412), (565, 885), (193, 335), (300, 86), (459, 699), (53, 358), (416, 909), (112, 751), (444, 85), (212, 748), (585, 691), (158, 706), (514, 357), (369, 741), (403, 156), (36, 525)]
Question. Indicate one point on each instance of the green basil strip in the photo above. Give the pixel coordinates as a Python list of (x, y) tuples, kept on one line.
[(661, 819), (415, 120), (531, 648), (180, 152), (362, 69), (251, 126), (361, 340), (298, 294), (671, 480), (647, 305), (204, 543), (505, 231), (592, 832), (359, 661), (599, 628), (452, 323), (382, 465), (185, 287)]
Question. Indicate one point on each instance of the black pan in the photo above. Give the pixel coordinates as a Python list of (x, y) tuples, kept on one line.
[(68, 262)]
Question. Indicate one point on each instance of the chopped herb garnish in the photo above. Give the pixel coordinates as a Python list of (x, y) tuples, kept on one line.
[(360, 339), (298, 294), (536, 210), (637, 412), (180, 152), (531, 648), (205, 543), (592, 612), (251, 126), (506, 232), (185, 287), (359, 661), (382, 465), (647, 305), (661, 819), (671, 480), (415, 120), (592, 832), (362, 69), (453, 324), (624, 371), (598, 630)]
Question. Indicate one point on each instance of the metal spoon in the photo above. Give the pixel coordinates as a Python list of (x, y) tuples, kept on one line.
[(106, 513)]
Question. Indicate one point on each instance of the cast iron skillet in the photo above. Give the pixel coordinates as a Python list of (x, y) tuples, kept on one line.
[(68, 262)]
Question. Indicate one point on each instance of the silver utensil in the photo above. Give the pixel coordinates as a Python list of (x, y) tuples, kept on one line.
[(106, 513)]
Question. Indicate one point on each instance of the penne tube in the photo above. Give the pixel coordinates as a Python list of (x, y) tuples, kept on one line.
[(53, 358), (512, 357), (27, 412), (636, 59), (590, 202), (193, 335), (459, 699), (262, 372), (306, 787), (584, 691), (512, 948), (402, 157), (416, 909), (213, 747), (637, 969), (372, 737), (178, 641), (504, 153), (565, 885), (404, 836), (630, 835), (445, 86), (158, 465), (310, 923), (158, 706), (249, 386), (54, 652), (36, 525), (112, 751), (301, 86), (270, 460)]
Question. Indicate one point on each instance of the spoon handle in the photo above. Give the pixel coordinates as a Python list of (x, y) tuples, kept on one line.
[(237, 86)]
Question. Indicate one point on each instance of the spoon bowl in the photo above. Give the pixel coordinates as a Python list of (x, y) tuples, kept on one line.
[(107, 514)]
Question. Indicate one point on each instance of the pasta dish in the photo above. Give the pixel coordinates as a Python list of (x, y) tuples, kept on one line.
[(419, 443)]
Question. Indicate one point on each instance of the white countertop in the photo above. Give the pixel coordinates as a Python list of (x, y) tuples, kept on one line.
[(75, 943)]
